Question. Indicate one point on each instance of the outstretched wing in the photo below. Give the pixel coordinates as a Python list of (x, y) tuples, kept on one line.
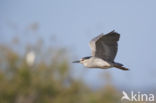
[(105, 46)]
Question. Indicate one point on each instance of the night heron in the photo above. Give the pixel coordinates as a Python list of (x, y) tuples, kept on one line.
[(104, 49)]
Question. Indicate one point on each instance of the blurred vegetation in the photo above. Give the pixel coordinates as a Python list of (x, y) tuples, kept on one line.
[(47, 80)]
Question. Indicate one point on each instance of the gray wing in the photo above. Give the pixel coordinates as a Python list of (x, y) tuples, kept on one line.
[(105, 46)]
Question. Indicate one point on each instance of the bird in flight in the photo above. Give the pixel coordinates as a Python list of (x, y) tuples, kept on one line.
[(104, 49)]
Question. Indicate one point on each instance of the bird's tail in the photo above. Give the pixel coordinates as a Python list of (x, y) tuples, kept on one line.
[(120, 66)]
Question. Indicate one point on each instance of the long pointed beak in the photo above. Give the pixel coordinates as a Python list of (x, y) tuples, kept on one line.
[(77, 61)]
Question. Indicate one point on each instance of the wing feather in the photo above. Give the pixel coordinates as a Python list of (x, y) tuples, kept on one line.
[(105, 46)]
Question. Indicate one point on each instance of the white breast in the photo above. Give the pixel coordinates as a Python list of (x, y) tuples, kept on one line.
[(94, 62)]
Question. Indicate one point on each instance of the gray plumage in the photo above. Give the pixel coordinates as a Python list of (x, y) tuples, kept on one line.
[(105, 46), (104, 49)]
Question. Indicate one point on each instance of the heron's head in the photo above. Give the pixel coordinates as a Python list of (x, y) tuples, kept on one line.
[(84, 59)]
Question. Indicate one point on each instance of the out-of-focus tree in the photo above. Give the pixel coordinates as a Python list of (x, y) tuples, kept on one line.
[(41, 82)]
